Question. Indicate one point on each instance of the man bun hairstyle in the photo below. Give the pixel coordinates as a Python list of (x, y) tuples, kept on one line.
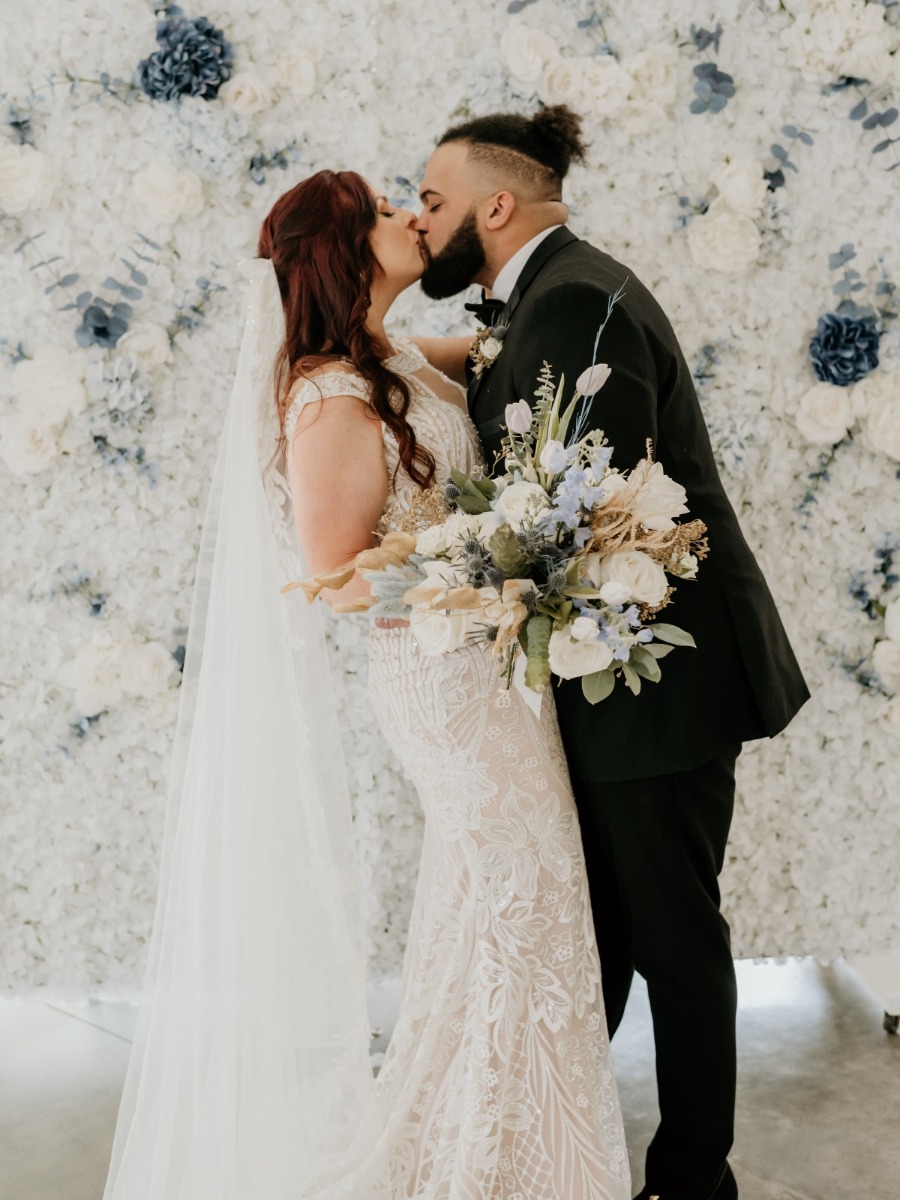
[(539, 149)]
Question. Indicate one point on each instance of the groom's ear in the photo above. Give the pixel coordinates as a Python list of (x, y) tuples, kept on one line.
[(499, 210)]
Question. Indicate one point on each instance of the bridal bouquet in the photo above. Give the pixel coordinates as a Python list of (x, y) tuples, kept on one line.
[(562, 563)]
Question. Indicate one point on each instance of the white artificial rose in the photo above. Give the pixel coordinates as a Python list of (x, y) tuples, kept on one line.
[(245, 92), (297, 73), (723, 240), (528, 53), (169, 192), (839, 38), (741, 185), (26, 178), (50, 386), (433, 541), (613, 593), (583, 629), (824, 414), (644, 578), (521, 503), (613, 484), (886, 660), (148, 342), (890, 717), (652, 77), (570, 658), (554, 458), (892, 621), (490, 348), (26, 449), (659, 498), (606, 86), (94, 675), (876, 401), (438, 632), (146, 669), (563, 82)]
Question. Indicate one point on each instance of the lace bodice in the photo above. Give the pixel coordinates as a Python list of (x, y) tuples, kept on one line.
[(441, 426)]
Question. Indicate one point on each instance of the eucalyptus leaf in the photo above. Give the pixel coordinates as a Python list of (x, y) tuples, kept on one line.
[(859, 110), (537, 668), (673, 635), (646, 666), (598, 686), (657, 650), (632, 679)]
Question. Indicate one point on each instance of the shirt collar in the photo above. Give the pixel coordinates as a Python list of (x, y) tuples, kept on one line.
[(508, 276)]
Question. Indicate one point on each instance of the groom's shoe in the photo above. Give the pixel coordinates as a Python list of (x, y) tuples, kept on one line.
[(725, 1189)]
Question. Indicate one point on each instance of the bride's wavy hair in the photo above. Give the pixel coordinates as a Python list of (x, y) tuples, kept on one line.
[(317, 236)]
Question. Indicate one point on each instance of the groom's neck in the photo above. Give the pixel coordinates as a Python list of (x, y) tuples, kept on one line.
[(501, 245)]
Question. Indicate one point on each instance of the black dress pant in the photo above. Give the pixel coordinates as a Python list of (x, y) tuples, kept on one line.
[(654, 849)]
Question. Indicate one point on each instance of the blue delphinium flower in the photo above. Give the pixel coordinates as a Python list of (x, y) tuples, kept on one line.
[(193, 59), (844, 349)]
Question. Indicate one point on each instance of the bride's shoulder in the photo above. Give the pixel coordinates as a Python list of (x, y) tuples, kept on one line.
[(322, 383)]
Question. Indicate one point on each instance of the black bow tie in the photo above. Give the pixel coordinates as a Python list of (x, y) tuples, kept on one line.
[(486, 310)]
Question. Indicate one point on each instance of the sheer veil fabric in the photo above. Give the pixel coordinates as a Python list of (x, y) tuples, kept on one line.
[(250, 1076)]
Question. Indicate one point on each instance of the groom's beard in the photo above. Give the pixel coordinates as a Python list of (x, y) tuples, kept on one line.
[(453, 269)]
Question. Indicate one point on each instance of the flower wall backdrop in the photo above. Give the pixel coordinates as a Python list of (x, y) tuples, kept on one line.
[(743, 165)]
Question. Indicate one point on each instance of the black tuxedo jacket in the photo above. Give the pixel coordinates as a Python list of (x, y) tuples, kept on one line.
[(742, 682)]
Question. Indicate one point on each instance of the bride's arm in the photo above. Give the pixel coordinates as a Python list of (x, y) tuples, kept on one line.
[(339, 486), (447, 355)]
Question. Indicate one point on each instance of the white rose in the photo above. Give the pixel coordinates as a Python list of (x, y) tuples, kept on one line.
[(146, 669), (659, 498), (169, 192), (824, 414), (886, 660), (606, 85), (94, 676), (613, 593), (722, 240), (50, 386), (148, 342), (563, 82), (892, 621), (652, 77), (876, 401), (613, 484), (890, 718), (686, 567), (521, 503), (490, 348), (528, 53), (433, 541), (245, 92), (644, 578), (26, 178), (26, 449), (570, 658), (741, 185), (583, 629), (297, 73), (437, 632), (554, 457), (461, 526)]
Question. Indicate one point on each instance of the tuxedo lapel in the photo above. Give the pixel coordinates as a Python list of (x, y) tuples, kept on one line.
[(542, 254)]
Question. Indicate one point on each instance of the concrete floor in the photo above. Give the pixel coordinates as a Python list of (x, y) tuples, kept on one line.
[(818, 1099)]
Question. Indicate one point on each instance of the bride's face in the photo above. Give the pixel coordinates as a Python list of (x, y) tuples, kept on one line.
[(395, 243)]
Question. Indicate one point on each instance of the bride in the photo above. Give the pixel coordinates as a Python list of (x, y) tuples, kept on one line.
[(250, 1076)]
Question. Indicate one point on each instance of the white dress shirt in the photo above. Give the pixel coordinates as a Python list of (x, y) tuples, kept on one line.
[(510, 272)]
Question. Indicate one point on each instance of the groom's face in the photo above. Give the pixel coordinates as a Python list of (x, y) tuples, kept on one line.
[(448, 224)]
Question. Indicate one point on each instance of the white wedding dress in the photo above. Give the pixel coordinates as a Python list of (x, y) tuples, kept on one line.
[(497, 1083)]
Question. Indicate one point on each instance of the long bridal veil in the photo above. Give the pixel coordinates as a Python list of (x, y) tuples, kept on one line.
[(250, 1076)]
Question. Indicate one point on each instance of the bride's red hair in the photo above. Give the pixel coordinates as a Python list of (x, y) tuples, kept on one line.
[(317, 236)]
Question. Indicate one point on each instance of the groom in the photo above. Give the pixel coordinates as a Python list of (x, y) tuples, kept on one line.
[(653, 774)]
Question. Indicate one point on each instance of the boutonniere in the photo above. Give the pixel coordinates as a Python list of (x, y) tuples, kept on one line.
[(486, 348)]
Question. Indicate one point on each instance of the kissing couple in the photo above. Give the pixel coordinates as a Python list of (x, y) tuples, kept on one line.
[(566, 845)]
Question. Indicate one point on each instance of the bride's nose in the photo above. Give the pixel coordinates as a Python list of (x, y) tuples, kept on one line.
[(408, 217)]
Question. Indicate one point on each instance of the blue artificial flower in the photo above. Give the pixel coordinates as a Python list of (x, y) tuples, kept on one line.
[(844, 349), (99, 327), (193, 59)]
